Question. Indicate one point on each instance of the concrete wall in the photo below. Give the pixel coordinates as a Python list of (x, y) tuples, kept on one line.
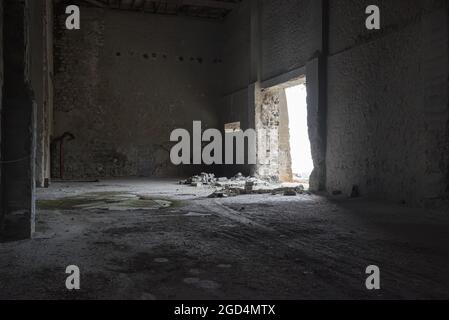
[(236, 94), (387, 101), (266, 39), (387, 98), (290, 35), (124, 82), (381, 96), (236, 49)]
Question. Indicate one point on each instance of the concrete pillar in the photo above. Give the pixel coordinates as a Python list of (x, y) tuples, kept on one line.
[(37, 78), (316, 113), (316, 75), (41, 78), (18, 126), (48, 88)]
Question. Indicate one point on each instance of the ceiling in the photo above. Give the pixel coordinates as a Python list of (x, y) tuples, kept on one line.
[(212, 9)]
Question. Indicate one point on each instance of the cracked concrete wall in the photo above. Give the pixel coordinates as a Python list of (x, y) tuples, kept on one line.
[(124, 82), (388, 102)]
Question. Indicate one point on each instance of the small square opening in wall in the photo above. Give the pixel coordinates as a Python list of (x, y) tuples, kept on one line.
[(232, 127)]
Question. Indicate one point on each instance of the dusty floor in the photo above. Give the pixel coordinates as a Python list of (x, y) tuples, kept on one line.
[(131, 243)]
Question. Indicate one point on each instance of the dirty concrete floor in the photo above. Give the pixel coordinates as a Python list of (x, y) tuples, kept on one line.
[(246, 247)]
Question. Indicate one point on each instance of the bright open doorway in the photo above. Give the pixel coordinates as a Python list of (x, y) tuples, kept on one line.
[(300, 151)]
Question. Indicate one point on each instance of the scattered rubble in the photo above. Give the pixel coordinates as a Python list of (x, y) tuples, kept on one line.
[(199, 180), (289, 192), (239, 185)]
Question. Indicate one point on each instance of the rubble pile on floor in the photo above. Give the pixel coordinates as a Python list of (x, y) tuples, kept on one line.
[(239, 185)]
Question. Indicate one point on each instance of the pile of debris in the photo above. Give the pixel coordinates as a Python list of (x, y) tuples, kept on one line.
[(248, 189), (239, 185), (200, 180)]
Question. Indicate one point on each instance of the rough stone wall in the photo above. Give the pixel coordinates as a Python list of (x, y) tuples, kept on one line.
[(387, 101), (267, 125), (273, 137), (285, 160), (124, 82)]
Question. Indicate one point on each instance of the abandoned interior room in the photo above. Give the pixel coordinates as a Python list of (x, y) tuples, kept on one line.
[(348, 126)]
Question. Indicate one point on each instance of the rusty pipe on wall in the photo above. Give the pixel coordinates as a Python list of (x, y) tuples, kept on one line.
[(60, 140)]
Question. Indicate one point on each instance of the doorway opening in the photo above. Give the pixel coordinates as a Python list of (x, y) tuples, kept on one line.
[(283, 144), (300, 150)]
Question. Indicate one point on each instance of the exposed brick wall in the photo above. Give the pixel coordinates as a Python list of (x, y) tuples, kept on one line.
[(124, 82)]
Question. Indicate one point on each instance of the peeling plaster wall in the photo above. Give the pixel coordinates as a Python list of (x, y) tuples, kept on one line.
[(124, 82), (387, 101)]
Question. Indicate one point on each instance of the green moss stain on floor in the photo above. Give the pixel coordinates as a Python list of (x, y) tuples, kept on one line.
[(107, 201)]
